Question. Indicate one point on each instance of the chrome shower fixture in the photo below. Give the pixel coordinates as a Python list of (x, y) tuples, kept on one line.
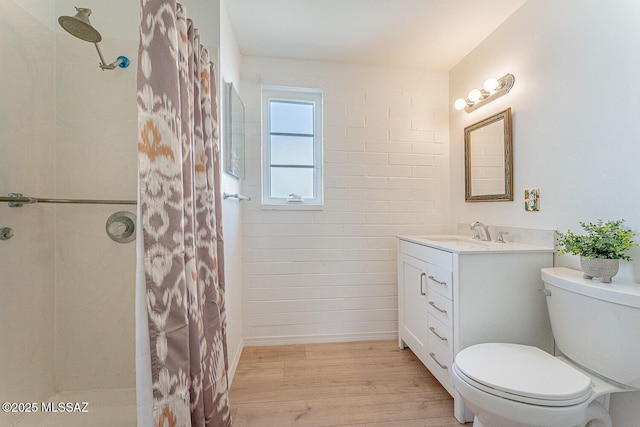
[(79, 26)]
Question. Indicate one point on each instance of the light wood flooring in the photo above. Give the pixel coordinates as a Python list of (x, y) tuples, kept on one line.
[(370, 384)]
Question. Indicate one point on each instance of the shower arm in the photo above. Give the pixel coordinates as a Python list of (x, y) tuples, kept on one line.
[(121, 62)]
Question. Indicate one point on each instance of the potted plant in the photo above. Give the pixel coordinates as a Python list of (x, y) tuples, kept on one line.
[(601, 249)]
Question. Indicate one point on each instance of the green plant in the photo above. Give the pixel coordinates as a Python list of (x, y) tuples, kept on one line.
[(607, 240)]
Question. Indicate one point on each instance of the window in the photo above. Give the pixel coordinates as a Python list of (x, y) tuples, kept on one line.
[(292, 146)]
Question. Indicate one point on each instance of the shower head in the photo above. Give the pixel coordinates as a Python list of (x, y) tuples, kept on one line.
[(79, 26)]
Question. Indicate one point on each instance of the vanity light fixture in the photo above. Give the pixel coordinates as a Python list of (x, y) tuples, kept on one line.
[(491, 89)]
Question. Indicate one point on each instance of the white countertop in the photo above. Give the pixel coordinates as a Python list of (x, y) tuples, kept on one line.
[(461, 244)]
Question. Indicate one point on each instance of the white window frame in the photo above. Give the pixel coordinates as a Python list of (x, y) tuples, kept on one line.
[(279, 93)]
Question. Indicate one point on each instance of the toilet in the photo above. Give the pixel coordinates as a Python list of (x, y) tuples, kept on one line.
[(595, 329)]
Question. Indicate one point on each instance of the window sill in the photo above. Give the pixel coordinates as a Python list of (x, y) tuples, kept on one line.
[(292, 207)]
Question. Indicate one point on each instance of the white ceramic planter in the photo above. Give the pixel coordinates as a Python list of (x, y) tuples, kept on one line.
[(604, 269)]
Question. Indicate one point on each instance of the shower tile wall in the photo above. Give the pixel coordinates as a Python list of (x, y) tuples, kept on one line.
[(27, 120), (96, 126), (67, 129)]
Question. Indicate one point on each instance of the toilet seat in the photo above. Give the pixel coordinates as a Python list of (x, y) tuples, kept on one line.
[(522, 373)]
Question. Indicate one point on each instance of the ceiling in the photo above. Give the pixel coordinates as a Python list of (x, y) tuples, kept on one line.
[(426, 34)]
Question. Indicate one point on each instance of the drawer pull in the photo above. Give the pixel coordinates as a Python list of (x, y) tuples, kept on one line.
[(422, 276), (433, 330), (432, 304), (433, 356), (438, 281)]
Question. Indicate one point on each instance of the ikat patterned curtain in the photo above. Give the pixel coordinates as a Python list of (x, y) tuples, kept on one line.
[(179, 172)]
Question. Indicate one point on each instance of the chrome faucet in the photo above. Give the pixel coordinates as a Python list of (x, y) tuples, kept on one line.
[(480, 231), (501, 235)]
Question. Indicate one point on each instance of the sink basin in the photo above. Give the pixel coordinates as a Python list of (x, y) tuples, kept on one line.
[(456, 239), (460, 243)]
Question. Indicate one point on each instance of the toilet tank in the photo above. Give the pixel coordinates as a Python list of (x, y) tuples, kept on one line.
[(596, 325)]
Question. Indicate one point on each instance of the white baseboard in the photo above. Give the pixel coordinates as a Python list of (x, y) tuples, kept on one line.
[(233, 364), (314, 339)]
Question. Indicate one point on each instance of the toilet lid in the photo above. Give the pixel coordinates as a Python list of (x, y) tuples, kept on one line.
[(523, 373)]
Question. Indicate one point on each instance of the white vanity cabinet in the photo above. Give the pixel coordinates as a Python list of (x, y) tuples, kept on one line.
[(453, 295), (413, 299)]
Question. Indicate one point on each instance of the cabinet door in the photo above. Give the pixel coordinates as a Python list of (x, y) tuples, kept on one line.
[(413, 303)]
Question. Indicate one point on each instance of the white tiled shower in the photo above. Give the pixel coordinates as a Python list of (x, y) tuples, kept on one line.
[(67, 290)]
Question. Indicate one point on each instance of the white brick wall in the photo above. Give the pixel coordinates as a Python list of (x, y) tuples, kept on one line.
[(330, 275)]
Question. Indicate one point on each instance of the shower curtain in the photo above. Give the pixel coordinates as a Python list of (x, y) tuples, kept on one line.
[(181, 277)]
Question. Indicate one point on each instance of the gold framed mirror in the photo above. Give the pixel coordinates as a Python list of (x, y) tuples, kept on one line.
[(489, 160)]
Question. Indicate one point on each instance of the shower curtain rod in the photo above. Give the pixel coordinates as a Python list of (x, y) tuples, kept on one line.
[(16, 200)]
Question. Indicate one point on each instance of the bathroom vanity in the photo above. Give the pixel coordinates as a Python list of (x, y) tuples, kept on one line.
[(454, 292)]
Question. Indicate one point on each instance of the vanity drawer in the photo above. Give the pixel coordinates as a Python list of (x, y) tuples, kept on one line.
[(440, 280), (441, 308), (439, 363), (431, 255), (440, 335)]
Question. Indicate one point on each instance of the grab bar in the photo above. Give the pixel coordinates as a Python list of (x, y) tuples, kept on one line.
[(16, 200), (235, 196)]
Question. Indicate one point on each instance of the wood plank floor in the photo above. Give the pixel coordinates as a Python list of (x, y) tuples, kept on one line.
[(370, 384)]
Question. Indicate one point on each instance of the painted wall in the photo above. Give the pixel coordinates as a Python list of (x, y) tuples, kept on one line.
[(331, 275), (27, 146), (575, 102), (232, 210)]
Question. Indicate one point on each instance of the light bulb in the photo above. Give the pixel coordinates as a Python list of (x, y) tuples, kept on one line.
[(474, 95), (491, 84), (459, 104)]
